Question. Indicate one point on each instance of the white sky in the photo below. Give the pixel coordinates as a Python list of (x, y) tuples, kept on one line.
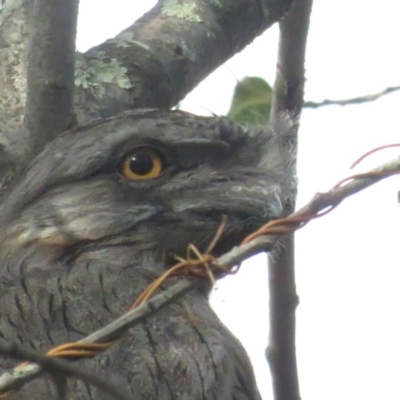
[(348, 271)]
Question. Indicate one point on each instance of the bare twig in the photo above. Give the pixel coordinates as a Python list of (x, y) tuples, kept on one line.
[(355, 100), (287, 99), (25, 373), (376, 149), (11, 380), (323, 203)]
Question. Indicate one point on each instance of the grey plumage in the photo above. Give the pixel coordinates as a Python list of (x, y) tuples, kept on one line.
[(80, 242)]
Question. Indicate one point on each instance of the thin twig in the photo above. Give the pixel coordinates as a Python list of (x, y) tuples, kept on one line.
[(323, 203), (376, 149), (355, 100), (287, 99), (11, 380)]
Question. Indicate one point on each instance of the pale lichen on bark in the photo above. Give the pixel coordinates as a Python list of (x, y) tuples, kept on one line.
[(183, 10), (13, 61), (93, 72), (216, 3), (126, 38)]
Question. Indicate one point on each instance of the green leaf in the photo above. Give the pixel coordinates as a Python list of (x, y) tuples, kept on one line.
[(251, 101)]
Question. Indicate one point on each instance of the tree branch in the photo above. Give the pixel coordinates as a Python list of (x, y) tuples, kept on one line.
[(51, 70), (12, 380), (54, 367), (355, 100), (14, 31), (287, 98), (167, 52)]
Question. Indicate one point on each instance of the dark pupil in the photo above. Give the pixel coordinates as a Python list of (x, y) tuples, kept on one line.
[(141, 164)]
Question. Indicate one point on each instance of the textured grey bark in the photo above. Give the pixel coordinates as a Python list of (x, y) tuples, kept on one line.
[(50, 75), (165, 54), (14, 31)]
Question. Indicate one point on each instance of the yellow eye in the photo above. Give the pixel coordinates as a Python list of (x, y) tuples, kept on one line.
[(142, 163)]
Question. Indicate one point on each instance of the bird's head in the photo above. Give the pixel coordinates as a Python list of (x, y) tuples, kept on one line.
[(148, 180)]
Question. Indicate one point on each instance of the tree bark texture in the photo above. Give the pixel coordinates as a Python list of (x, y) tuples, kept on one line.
[(288, 99), (50, 75)]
